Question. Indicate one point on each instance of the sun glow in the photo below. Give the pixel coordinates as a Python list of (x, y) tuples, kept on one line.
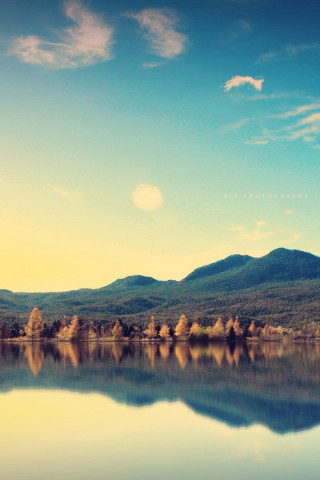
[(147, 197)]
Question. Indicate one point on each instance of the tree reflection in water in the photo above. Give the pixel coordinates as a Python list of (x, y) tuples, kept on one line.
[(275, 384)]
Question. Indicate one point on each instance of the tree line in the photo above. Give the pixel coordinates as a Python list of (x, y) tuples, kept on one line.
[(77, 329)]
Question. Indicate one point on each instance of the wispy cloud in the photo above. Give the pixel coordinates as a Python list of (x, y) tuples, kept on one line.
[(286, 53), (88, 42), (236, 125), (304, 133), (298, 111), (289, 212), (252, 234), (313, 118), (152, 64), (238, 81), (256, 235), (279, 95), (306, 128), (256, 142), (66, 193), (158, 26)]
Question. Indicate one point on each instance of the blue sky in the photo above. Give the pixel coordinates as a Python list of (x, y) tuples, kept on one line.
[(210, 111)]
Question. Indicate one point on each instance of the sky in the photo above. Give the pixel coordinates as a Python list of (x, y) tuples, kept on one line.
[(152, 138)]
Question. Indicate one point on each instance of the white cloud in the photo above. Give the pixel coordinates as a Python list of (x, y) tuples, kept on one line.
[(88, 42), (256, 142), (261, 223), (238, 80), (289, 212), (159, 27)]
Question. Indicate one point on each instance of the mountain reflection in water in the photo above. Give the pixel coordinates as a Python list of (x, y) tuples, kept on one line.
[(274, 384)]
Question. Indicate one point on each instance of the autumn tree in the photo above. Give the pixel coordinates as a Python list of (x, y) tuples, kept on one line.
[(117, 331), (35, 326), (237, 329), (280, 330), (92, 331), (151, 331), (253, 330), (63, 333), (69, 332), (229, 325), (182, 328), (196, 331), (217, 330), (165, 331), (74, 328)]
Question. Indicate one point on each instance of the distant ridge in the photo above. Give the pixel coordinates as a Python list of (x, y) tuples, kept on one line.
[(280, 287), (280, 265), (132, 281), (218, 267)]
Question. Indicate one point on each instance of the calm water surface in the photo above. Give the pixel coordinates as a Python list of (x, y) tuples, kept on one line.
[(148, 411)]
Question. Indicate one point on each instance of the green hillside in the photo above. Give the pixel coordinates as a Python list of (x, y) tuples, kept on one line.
[(282, 287)]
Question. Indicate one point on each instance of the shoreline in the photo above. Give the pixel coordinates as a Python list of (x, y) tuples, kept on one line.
[(173, 341)]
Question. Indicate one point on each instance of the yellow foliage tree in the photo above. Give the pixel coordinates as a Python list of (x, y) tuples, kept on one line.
[(253, 330), (92, 331), (165, 331), (151, 331), (268, 331), (35, 326), (117, 331), (229, 325), (237, 329), (280, 330), (63, 333), (217, 330), (182, 328), (74, 328), (196, 330)]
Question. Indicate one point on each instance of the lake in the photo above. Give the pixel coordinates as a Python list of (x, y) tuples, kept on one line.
[(141, 411)]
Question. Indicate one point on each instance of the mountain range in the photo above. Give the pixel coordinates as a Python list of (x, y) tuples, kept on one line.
[(281, 287)]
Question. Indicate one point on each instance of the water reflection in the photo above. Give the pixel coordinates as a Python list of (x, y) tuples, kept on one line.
[(274, 384)]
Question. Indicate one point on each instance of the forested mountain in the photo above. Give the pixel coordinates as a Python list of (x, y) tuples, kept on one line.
[(281, 287)]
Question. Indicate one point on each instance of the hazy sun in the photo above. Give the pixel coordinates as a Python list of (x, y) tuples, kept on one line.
[(147, 197)]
